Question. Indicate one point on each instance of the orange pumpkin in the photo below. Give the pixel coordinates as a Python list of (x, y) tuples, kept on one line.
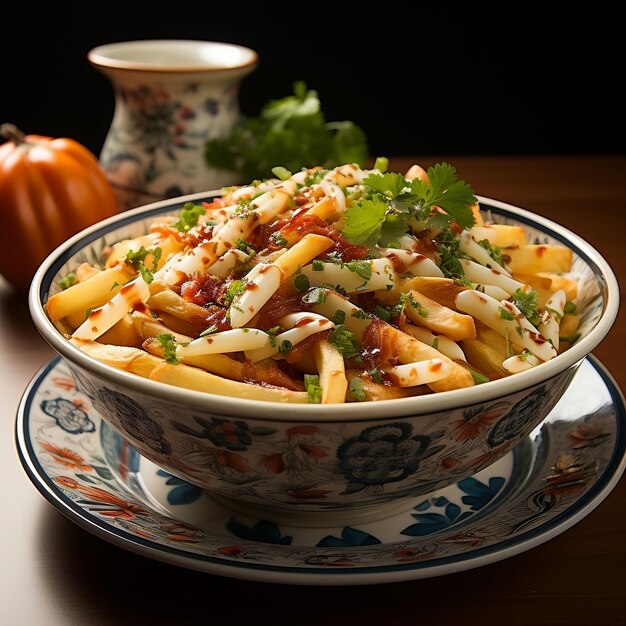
[(49, 190)]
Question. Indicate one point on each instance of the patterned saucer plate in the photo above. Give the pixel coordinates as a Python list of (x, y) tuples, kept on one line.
[(549, 482)]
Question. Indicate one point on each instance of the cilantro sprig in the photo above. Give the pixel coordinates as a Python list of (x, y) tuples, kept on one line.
[(189, 216), (137, 260), (393, 203), (291, 131)]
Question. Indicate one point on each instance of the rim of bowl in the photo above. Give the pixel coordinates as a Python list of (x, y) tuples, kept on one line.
[(109, 56), (278, 411)]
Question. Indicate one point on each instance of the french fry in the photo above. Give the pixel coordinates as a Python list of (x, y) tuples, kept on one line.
[(423, 311), (92, 293), (162, 298), (180, 326), (409, 350), (440, 342), (568, 285), (508, 235), (537, 258), (123, 333), (149, 366), (379, 391), (85, 271), (147, 327), (332, 372), (122, 248), (441, 290), (485, 357), (536, 281)]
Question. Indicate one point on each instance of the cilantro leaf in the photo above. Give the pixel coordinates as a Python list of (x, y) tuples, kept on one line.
[(394, 227), (390, 185), (189, 216), (356, 390), (345, 342), (168, 341), (137, 260), (364, 220), (67, 281), (292, 131), (446, 192), (313, 389), (526, 302)]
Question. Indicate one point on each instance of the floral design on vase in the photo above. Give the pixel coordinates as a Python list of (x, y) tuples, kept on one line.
[(155, 147)]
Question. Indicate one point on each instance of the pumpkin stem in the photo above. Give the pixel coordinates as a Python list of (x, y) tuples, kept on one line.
[(12, 133)]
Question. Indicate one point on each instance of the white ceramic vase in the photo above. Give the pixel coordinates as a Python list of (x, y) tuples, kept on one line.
[(171, 96)]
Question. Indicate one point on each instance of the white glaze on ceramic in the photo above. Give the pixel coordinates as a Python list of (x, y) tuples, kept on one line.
[(171, 96)]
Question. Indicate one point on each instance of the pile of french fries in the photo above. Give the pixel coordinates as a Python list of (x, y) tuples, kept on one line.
[(453, 333)]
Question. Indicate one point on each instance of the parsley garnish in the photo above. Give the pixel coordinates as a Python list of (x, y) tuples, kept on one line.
[(356, 391), (168, 341), (315, 178), (317, 295), (390, 185), (282, 173), (495, 252), (382, 313), (234, 289), (285, 346), (292, 131), (339, 317), (318, 266), (301, 281), (272, 332), (360, 268), (242, 209), (377, 375), (244, 246), (364, 220), (443, 190), (189, 216), (506, 315), (345, 342), (392, 204), (137, 260), (67, 281), (526, 302), (313, 389)]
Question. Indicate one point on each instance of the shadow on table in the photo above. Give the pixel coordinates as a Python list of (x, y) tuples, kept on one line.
[(90, 576), (111, 585)]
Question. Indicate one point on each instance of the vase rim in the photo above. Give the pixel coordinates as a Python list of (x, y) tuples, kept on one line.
[(173, 56)]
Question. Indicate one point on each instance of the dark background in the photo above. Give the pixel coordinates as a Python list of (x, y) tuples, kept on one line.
[(418, 80)]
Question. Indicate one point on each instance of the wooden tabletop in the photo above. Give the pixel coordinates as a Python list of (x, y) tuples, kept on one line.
[(54, 573)]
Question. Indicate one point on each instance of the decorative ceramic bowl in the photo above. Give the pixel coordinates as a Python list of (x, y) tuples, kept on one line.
[(365, 457)]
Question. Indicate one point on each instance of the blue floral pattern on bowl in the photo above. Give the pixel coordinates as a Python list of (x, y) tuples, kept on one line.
[(98, 475)]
